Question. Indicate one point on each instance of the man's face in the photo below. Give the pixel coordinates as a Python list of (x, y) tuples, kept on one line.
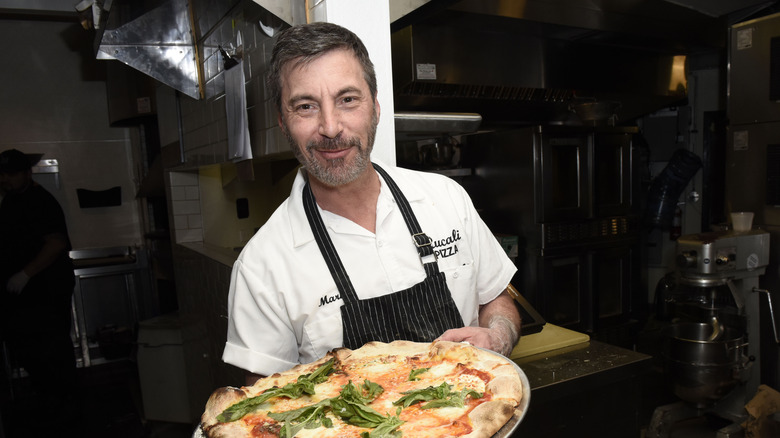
[(15, 182), (329, 117)]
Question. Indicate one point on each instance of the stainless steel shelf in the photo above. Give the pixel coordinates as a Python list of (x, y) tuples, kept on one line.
[(452, 172)]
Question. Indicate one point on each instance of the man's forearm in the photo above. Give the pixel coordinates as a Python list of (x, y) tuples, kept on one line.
[(503, 319)]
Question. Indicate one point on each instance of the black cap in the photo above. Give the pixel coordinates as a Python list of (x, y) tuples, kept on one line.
[(13, 160)]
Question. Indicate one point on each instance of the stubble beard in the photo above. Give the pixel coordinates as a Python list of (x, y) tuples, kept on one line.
[(338, 171)]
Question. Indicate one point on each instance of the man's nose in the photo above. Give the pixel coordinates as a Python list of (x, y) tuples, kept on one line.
[(330, 122)]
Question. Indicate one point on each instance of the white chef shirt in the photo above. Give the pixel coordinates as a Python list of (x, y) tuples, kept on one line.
[(283, 305)]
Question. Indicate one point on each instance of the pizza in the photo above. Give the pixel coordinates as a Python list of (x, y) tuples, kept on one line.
[(397, 389)]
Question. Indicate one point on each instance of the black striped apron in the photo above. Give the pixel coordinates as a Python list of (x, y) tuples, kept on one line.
[(421, 313)]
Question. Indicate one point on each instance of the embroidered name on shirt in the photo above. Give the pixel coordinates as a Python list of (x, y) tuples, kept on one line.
[(327, 300), (446, 247)]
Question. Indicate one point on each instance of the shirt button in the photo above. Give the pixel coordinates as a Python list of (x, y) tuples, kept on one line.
[(454, 275), (379, 243)]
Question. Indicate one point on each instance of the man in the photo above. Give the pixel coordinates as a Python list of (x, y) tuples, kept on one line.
[(36, 282), (359, 251)]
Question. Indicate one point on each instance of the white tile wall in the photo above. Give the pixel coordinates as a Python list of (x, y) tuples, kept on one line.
[(191, 192), (185, 207), (194, 221), (178, 193)]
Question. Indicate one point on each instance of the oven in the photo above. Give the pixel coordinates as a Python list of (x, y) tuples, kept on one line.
[(570, 195), (563, 174), (586, 287)]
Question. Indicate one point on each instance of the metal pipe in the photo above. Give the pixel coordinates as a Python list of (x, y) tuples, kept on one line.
[(771, 311)]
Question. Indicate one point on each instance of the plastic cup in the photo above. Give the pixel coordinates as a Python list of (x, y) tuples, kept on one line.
[(742, 220)]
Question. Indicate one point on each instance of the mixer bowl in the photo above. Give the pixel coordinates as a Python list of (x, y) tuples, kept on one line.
[(703, 371)]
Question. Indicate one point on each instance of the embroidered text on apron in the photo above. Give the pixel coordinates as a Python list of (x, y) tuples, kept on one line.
[(420, 313)]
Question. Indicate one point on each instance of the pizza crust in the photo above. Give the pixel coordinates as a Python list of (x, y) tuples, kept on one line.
[(504, 386), (373, 349), (488, 418), (220, 400)]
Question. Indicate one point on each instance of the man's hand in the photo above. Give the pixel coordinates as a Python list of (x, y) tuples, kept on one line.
[(497, 337), (499, 326), (476, 336), (17, 282)]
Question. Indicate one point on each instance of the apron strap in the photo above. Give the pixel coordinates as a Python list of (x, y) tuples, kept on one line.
[(422, 242), (332, 259)]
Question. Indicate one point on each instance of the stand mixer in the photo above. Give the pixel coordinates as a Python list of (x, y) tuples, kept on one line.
[(712, 347)]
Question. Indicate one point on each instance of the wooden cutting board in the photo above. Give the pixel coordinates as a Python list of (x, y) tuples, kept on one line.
[(552, 337)]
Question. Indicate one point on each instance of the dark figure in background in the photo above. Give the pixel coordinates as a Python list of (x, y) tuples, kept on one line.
[(36, 283)]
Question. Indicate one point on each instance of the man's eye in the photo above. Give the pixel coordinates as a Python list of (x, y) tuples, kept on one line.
[(305, 109)]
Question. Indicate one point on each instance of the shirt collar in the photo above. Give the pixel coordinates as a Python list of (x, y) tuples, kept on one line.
[(299, 223)]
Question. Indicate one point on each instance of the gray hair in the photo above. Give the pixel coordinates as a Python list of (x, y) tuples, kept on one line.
[(307, 42)]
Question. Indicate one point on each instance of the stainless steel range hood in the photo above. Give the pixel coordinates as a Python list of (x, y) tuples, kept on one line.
[(529, 61), (505, 51), (155, 38), (164, 38)]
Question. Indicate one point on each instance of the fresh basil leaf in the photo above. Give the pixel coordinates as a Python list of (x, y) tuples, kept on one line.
[(244, 407), (303, 385), (356, 414), (413, 374), (352, 393), (350, 406), (452, 402), (365, 394), (321, 374), (289, 430), (424, 394), (308, 417), (388, 429), (373, 390), (301, 414), (453, 399), (471, 393), (436, 397)]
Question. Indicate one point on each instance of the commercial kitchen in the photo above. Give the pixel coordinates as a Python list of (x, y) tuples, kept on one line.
[(625, 154)]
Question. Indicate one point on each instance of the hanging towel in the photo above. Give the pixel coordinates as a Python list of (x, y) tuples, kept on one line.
[(239, 147)]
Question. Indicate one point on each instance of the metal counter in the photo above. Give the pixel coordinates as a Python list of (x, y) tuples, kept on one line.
[(113, 292), (588, 389)]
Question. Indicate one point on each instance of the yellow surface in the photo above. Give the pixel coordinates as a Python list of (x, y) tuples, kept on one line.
[(552, 337)]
